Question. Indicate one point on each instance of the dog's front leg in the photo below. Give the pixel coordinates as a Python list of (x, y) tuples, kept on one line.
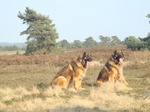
[(121, 78), (111, 78), (76, 83)]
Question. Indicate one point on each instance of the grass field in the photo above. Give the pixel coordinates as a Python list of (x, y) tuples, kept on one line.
[(11, 52), (24, 84)]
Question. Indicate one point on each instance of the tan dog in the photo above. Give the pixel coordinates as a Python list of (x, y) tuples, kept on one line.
[(73, 73), (113, 69)]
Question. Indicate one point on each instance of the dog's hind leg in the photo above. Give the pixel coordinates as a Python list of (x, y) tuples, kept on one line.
[(60, 82)]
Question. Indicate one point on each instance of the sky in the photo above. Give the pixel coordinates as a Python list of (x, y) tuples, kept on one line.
[(78, 19)]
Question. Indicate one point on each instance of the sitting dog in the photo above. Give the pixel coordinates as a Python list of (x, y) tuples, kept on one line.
[(73, 73), (113, 69)]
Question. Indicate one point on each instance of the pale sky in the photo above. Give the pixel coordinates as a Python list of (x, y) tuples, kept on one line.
[(79, 19)]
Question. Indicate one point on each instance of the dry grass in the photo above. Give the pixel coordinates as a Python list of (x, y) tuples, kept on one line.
[(106, 98), (25, 88), (11, 52)]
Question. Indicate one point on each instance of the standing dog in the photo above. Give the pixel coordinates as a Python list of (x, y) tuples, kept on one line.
[(73, 73), (113, 69)]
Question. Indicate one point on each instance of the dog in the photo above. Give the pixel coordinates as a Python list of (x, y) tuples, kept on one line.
[(113, 69), (73, 73)]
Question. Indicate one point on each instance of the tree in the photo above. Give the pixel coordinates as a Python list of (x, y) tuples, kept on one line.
[(148, 16), (115, 40), (41, 32), (10, 48), (90, 42), (77, 44), (131, 40), (148, 36), (64, 44), (133, 43), (146, 41), (105, 40)]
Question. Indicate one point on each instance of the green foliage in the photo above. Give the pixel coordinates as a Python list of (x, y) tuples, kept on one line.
[(90, 42), (10, 48), (77, 44), (57, 50), (115, 40), (131, 40), (136, 43), (41, 32), (146, 39), (105, 40), (64, 44), (108, 41), (146, 42), (148, 15)]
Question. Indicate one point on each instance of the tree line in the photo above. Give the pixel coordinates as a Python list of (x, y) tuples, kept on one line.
[(131, 42), (42, 34), (11, 48), (90, 42)]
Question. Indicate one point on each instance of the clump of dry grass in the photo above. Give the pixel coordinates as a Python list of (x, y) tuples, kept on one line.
[(105, 98), (95, 63), (53, 91), (141, 56), (8, 94)]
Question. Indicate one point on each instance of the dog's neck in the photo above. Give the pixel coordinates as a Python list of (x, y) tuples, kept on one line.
[(79, 65)]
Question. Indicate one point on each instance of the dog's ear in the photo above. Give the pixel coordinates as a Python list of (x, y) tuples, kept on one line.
[(115, 52), (84, 55), (122, 53), (78, 58), (113, 55)]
